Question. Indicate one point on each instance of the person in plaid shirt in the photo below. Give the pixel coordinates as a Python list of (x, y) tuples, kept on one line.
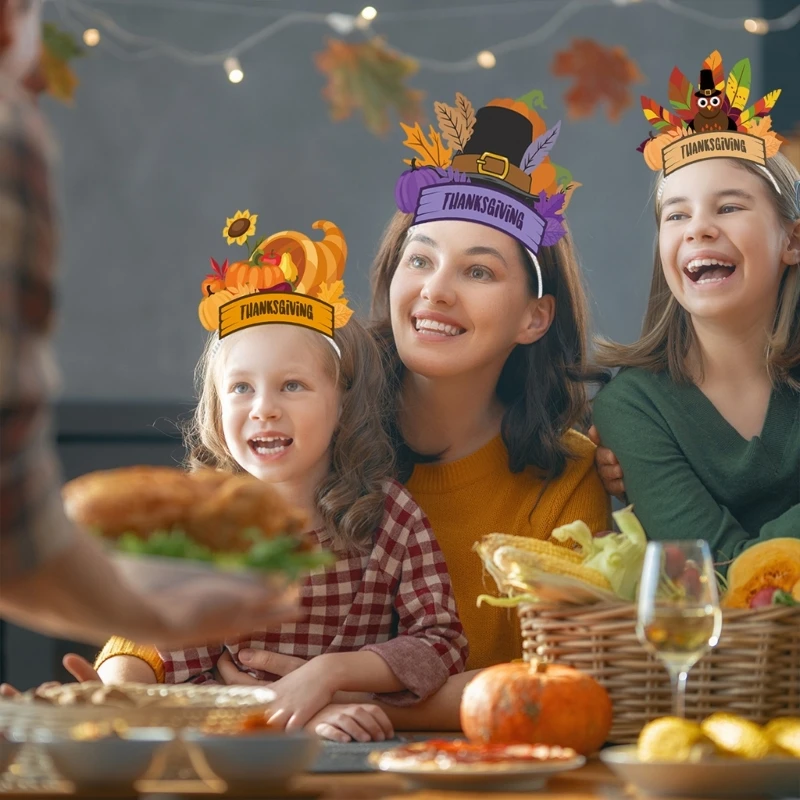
[(53, 577), (280, 402)]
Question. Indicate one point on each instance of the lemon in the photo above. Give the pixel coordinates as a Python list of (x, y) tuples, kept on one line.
[(735, 736), (784, 733), (673, 739)]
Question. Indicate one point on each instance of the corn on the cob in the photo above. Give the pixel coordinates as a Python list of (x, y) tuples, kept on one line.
[(523, 565), (493, 541)]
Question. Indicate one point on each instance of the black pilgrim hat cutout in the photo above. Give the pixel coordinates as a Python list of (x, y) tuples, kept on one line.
[(707, 87), (496, 148)]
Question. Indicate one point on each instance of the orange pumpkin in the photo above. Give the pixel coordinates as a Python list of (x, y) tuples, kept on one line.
[(208, 310), (774, 563), (243, 273), (215, 281), (536, 703), (211, 284)]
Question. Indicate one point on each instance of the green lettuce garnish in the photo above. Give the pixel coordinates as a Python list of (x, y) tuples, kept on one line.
[(279, 554)]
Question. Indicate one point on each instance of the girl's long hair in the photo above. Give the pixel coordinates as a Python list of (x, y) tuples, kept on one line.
[(667, 333), (351, 498)]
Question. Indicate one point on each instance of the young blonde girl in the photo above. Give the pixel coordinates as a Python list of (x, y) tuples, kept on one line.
[(705, 415), (305, 413)]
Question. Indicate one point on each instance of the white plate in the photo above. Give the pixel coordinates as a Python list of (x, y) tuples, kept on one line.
[(508, 778), (728, 778)]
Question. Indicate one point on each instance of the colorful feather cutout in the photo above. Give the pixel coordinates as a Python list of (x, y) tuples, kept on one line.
[(658, 116), (738, 87), (714, 63), (759, 108), (680, 91), (539, 148)]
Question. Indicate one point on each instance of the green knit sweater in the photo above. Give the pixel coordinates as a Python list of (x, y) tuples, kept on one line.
[(690, 475)]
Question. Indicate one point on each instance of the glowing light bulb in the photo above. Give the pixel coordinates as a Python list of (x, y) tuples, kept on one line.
[(91, 37), (369, 13), (234, 69), (486, 59), (758, 26)]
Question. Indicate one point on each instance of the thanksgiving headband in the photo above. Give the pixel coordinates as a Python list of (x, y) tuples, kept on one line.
[(492, 167), (713, 120), (287, 278)]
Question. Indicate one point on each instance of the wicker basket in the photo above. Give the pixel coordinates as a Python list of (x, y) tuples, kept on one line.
[(754, 671)]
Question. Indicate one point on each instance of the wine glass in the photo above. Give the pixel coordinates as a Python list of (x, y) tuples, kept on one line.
[(678, 616)]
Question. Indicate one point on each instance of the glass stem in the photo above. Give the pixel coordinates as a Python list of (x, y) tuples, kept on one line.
[(678, 680)]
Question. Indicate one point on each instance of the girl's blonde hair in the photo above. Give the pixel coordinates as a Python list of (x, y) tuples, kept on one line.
[(351, 498), (667, 333)]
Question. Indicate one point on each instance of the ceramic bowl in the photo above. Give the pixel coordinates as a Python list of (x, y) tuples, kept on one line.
[(107, 762), (263, 758)]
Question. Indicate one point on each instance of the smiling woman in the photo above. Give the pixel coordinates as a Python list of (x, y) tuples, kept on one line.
[(479, 306)]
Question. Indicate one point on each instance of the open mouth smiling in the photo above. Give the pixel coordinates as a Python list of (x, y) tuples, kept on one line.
[(431, 327), (709, 270), (269, 446)]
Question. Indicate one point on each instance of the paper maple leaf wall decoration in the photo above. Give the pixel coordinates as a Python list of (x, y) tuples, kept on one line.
[(371, 77), (602, 74), (58, 49)]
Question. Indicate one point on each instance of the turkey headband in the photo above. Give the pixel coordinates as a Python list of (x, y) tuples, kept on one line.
[(712, 120), (492, 167)]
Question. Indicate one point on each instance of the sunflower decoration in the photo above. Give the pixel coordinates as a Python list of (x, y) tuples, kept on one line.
[(240, 227)]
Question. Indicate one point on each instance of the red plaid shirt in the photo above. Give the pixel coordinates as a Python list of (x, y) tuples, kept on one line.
[(396, 601), (33, 526)]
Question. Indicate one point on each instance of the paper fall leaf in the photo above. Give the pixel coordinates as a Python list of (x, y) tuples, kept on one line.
[(341, 314), (330, 292), (454, 125), (432, 153), (58, 47), (370, 77), (602, 74)]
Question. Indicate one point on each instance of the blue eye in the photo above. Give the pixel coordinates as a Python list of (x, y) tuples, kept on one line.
[(240, 388), (293, 386), (417, 262)]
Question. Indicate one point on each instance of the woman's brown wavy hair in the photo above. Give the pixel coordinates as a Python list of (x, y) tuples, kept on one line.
[(543, 385), (351, 498)]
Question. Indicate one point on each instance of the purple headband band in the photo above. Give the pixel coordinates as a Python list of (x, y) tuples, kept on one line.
[(482, 204)]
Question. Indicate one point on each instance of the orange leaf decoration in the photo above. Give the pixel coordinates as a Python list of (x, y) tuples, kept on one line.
[(330, 292), (602, 74), (371, 77), (432, 153), (333, 293), (59, 78), (341, 315)]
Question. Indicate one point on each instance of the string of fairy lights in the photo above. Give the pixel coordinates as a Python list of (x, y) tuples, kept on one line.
[(99, 29)]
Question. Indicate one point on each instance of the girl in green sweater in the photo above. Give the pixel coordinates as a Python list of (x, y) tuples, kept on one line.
[(704, 417)]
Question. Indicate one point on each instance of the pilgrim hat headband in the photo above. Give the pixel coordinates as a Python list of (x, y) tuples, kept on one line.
[(285, 278), (715, 121), (492, 167)]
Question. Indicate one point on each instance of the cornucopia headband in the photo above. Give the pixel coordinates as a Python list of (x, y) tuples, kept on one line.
[(492, 167), (712, 120), (286, 278)]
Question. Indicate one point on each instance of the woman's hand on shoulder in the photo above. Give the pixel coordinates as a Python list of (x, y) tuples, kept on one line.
[(352, 722), (608, 467)]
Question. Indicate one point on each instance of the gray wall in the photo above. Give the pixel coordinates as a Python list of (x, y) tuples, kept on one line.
[(156, 154)]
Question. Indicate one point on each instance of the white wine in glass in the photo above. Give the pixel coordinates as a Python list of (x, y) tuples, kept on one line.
[(678, 616)]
